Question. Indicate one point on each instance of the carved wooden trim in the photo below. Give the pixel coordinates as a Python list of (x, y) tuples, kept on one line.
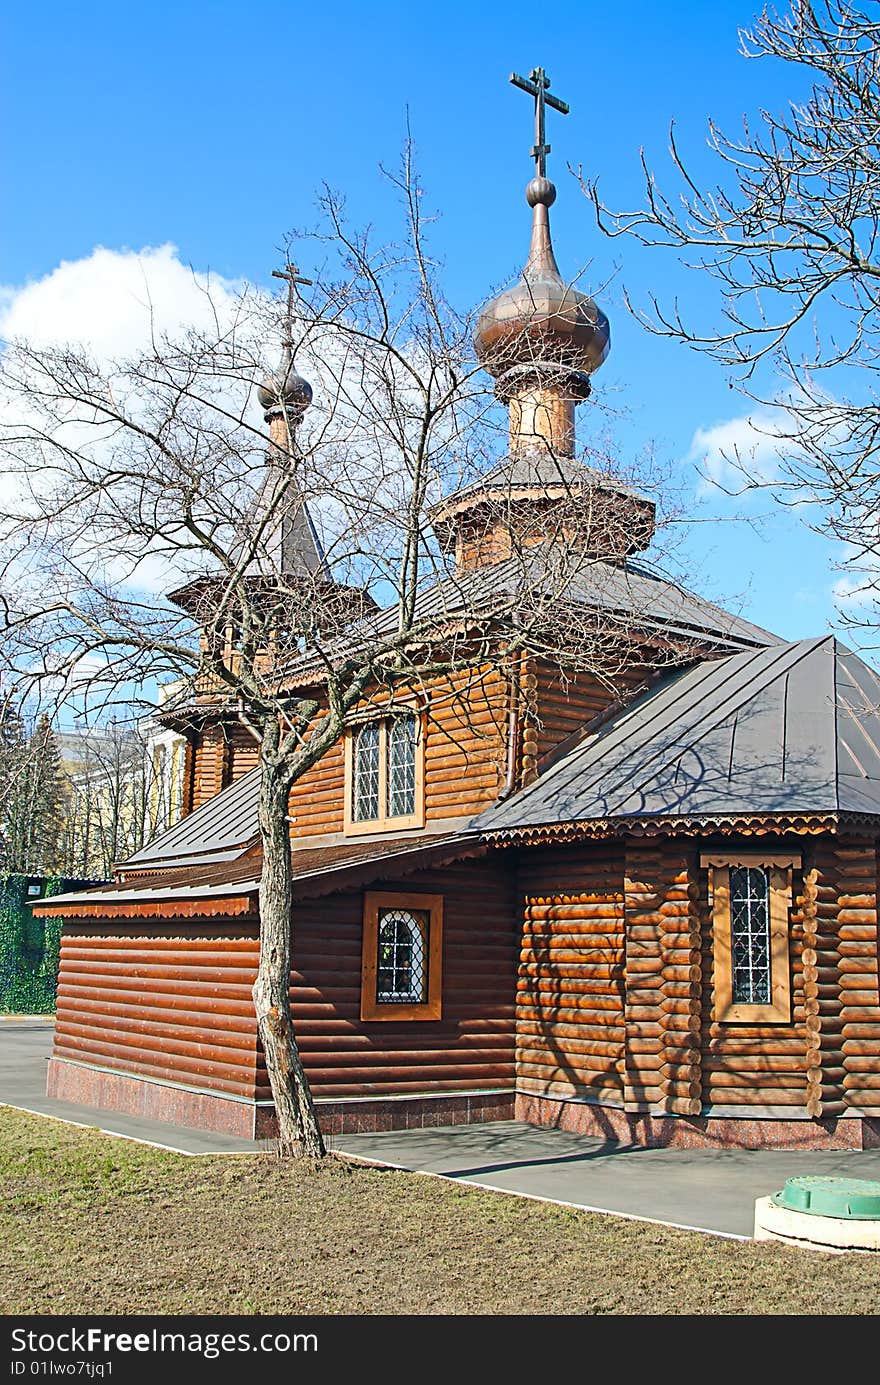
[(792, 859)]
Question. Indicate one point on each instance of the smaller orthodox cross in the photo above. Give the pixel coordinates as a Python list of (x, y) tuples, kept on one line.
[(291, 274), (537, 84)]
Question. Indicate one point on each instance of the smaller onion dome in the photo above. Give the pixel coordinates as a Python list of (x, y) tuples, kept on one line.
[(285, 388), (541, 320)]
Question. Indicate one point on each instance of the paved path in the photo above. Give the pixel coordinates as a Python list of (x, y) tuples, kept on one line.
[(708, 1190), (704, 1189), (25, 1045)]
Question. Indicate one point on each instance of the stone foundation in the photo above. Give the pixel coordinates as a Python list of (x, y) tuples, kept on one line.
[(251, 1120), (655, 1130), (160, 1101)]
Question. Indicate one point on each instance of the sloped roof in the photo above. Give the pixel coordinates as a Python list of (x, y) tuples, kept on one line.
[(537, 469), (316, 871), (786, 729), (631, 591), (217, 831)]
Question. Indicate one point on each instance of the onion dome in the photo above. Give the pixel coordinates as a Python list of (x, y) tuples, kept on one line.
[(541, 327), (285, 389)]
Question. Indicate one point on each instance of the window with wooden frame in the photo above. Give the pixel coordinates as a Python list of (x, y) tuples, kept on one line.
[(401, 967), (751, 895), (384, 775)]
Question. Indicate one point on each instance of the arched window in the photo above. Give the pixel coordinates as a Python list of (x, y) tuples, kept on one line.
[(402, 957), (402, 737), (365, 785), (401, 962)]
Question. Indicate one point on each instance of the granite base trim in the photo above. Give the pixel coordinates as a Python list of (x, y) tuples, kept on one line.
[(160, 1101), (176, 1104), (654, 1130), (371, 1114)]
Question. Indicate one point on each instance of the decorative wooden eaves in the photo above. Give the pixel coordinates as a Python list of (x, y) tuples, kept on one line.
[(759, 824), (220, 906)]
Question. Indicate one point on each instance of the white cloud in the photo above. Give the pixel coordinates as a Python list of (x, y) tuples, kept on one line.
[(728, 453), (112, 303), (111, 300)]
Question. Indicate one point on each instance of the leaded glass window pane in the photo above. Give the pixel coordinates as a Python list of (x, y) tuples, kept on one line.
[(750, 935), (402, 967), (402, 735), (365, 789)]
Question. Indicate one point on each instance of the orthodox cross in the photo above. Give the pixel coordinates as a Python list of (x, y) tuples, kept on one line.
[(537, 84), (291, 274)]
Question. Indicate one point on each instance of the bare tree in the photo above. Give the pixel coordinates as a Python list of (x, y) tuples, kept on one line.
[(790, 234), (309, 573), (109, 800)]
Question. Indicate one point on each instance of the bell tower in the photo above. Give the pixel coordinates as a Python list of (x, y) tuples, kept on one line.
[(542, 340)]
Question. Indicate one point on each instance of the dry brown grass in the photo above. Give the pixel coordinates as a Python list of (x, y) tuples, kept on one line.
[(93, 1224)]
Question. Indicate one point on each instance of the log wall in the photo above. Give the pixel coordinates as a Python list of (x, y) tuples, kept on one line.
[(470, 1047), (826, 1060), (173, 1001), (582, 971), (859, 1017), (170, 1001), (219, 754), (758, 1064), (616, 987), (465, 752), (570, 988), (663, 978), (563, 703), (210, 758)]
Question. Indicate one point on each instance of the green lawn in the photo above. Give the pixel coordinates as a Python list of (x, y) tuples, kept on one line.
[(93, 1224)]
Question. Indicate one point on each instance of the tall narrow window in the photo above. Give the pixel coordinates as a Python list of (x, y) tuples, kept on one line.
[(751, 896), (401, 962), (750, 935), (365, 788), (402, 736)]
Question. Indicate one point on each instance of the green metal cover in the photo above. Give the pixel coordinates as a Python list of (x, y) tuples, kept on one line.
[(854, 1199)]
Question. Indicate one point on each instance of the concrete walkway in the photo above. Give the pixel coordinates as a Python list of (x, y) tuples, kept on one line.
[(25, 1046), (705, 1190), (700, 1189)]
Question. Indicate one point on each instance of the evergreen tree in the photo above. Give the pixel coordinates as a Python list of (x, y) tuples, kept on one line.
[(30, 796)]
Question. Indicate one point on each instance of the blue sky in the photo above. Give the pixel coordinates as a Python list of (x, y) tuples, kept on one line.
[(209, 126)]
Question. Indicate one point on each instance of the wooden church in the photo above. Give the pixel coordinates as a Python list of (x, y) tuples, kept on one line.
[(650, 917)]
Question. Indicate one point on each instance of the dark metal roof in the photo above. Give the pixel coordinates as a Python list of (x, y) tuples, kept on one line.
[(790, 728), (217, 831), (316, 870), (631, 592)]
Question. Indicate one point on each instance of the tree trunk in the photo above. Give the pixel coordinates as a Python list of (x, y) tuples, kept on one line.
[(298, 1130)]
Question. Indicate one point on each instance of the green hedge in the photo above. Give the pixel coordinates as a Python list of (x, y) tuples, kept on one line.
[(29, 946)]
